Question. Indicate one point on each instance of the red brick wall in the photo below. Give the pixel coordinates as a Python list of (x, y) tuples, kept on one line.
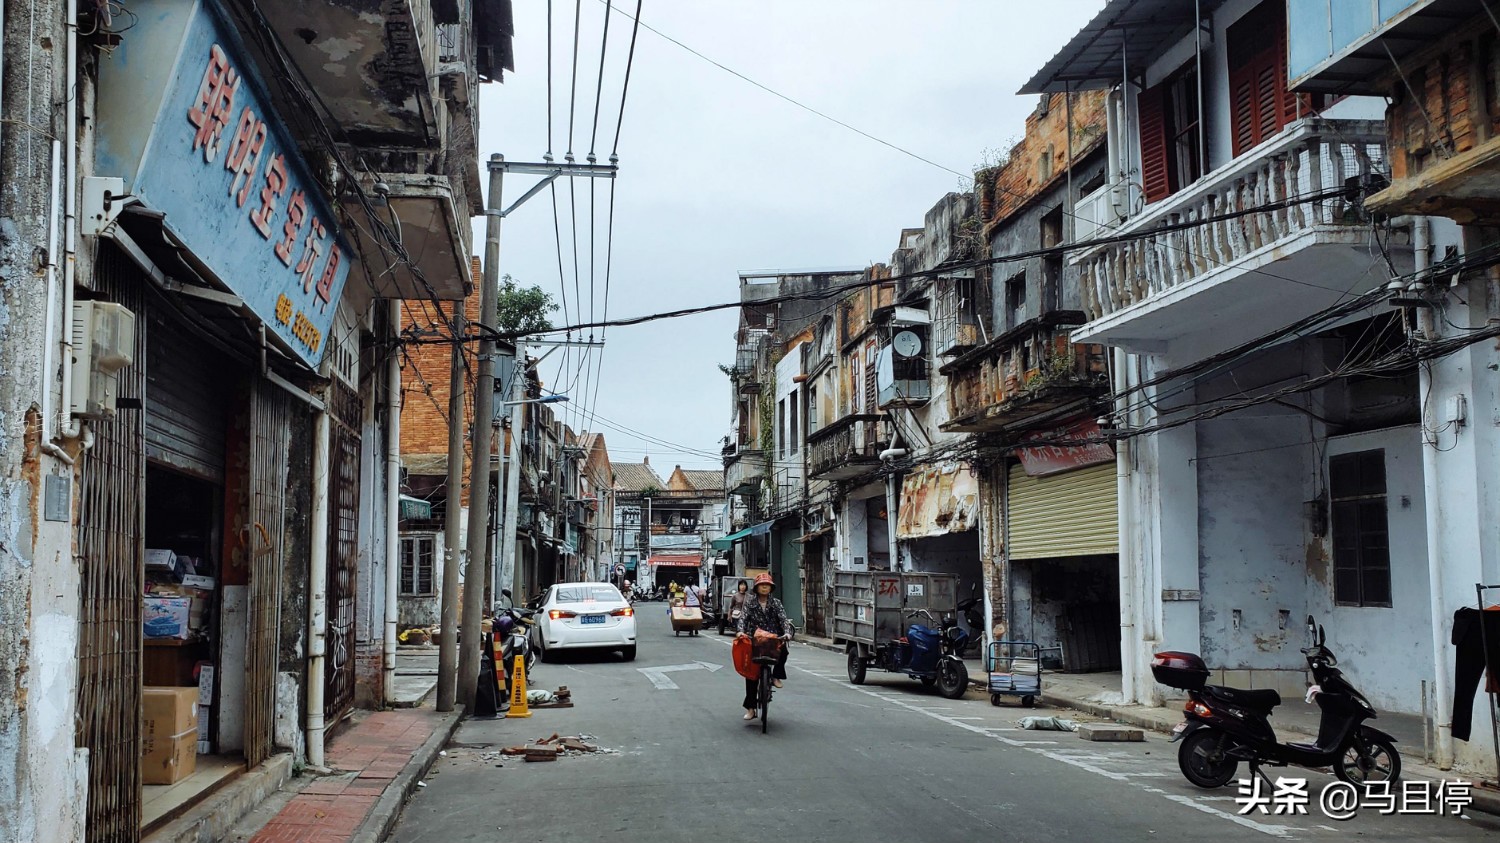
[(1005, 188), (425, 372), (1447, 110)]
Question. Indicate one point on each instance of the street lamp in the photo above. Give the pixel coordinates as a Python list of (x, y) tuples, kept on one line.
[(545, 399)]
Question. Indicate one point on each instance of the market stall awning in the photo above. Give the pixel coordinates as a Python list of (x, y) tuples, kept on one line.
[(937, 500), (676, 560), (726, 542)]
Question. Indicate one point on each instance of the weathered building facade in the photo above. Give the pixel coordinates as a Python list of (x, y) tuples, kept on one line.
[(1434, 64), (201, 383)]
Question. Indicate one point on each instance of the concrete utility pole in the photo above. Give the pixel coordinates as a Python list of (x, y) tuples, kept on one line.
[(484, 403), (483, 435), (448, 644)]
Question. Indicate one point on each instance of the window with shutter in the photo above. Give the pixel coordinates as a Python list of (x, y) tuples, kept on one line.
[(1260, 104), (1154, 179), (1170, 157)]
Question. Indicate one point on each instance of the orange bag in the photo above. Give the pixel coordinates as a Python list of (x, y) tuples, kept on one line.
[(742, 659)]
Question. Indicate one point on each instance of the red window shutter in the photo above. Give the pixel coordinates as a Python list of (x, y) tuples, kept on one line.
[(1155, 180)]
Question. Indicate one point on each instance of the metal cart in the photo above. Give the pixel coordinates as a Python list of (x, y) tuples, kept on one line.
[(1015, 669)]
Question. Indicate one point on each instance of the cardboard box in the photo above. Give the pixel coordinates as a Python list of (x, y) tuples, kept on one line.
[(168, 711), (169, 759), (160, 560), (167, 617), (200, 583)]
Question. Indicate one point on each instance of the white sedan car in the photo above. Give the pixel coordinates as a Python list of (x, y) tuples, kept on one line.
[(585, 615)]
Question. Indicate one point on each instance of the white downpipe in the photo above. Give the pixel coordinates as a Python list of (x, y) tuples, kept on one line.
[(392, 508), (67, 426), (1421, 235), (1123, 456), (317, 589), (52, 325)]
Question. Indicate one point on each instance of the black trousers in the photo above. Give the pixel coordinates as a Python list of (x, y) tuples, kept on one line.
[(1470, 629), (752, 686)]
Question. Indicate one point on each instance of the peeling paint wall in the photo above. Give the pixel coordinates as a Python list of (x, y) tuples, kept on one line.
[(39, 598)]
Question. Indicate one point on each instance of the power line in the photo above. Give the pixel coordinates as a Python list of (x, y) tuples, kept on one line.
[(958, 266), (772, 91)]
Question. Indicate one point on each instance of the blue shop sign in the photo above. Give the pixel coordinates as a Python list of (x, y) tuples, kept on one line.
[(223, 168)]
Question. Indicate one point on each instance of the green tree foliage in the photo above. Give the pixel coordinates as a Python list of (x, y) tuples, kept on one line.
[(524, 309)]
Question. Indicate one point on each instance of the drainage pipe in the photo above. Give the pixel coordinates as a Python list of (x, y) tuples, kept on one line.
[(1123, 455), (317, 589), (67, 426)]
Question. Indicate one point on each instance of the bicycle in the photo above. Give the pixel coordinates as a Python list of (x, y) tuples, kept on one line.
[(766, 684)]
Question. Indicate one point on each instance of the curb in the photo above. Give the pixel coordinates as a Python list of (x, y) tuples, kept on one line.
[(414, 703), (382, 817)]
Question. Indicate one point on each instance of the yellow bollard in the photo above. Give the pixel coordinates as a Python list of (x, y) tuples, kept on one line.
[(518, 704)]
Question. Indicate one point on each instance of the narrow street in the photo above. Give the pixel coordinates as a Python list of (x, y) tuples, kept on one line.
[(884, 761)]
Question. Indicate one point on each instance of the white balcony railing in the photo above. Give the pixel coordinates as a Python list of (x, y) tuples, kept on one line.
[(1310, 157)]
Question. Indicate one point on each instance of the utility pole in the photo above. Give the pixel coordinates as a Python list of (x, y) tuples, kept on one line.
[(484, 403), (448, 644), (452, 528), (483, 432)]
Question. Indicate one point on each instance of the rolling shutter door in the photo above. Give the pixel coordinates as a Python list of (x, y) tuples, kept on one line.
[(1071, 514), (185, 401)]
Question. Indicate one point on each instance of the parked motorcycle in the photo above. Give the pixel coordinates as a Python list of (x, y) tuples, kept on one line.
[(973, 611), (1225, 726), (515, 626), (931, 655)]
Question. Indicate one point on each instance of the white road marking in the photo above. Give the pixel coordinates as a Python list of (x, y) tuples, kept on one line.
[(658, 675), (1128, 778)]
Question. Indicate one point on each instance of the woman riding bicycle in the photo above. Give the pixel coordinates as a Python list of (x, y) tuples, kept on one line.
[(764, 612)]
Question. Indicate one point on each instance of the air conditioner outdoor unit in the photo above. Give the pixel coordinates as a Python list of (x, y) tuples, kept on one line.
[(103, 344)]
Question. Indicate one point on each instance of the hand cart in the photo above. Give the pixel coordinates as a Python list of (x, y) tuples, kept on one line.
[(1015, 670)]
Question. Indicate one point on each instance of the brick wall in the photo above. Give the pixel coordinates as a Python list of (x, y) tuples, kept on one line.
[(425, 373), (1040, 159), (1449, 108)]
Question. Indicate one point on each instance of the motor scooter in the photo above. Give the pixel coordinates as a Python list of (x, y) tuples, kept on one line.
[(1225, 726), (515, 626), (932, 655)]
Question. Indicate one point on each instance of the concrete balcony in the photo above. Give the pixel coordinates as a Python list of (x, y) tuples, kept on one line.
[(744, 471), (421, 212), (1023, 374), (373, 64), (846, 449), (1214, 285)]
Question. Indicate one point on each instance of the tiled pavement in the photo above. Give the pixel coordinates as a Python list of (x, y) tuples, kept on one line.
[(369, 756)]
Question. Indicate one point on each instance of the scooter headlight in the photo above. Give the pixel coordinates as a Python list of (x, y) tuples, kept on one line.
[(954, 634)]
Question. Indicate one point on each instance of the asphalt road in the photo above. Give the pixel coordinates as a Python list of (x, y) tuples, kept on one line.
[(886, 761)]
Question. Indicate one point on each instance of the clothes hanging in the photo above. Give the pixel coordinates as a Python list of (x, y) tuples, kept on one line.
[(1473, 630)]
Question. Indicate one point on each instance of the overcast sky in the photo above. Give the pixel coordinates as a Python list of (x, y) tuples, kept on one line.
[(718, 176)]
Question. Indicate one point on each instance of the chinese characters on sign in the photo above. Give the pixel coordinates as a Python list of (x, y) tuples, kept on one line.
[(1342, 801), (1042, 460), (266, 189)]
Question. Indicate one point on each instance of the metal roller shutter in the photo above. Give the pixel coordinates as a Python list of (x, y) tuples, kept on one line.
[(1072, 514), (185, 421)]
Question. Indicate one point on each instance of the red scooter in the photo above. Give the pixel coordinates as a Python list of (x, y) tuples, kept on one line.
[(1225, 726)]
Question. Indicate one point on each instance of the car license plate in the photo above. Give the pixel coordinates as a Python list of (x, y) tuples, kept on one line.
[(1177, 732), (592, 619)]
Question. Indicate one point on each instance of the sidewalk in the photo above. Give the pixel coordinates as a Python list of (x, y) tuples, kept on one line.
[(416, 674), (377, 763)]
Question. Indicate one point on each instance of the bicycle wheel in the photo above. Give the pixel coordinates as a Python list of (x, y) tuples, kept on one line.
[(765, 697)]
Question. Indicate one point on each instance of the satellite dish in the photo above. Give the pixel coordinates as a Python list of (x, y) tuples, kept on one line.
[(907, 344)]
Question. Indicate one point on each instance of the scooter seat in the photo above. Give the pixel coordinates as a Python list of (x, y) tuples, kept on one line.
[(1261, 700)]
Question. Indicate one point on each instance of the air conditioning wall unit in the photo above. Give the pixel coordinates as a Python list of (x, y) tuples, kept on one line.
[(103, 344)]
